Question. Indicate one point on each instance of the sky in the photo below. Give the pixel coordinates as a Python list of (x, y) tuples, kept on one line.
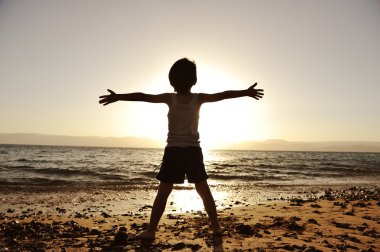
[(317, 61)]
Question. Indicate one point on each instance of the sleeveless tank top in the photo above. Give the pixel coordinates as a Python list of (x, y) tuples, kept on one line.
[(183, 122)]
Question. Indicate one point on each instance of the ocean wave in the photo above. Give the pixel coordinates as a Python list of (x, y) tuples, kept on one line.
[(20, 167), (39, 161), (248, 177), (43, 164), (347, 171)]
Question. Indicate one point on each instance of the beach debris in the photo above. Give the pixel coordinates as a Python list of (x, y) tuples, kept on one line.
[(51, 231), (362, 204), (341, 225), (368, 250), (145, 207), (313, 221), (362, 228), (371, 233), (315, 206), (281, 222), (341, 204), (179, 246), (78, 215), (173, 217), (244, 229), (291, 235), (367, 217), (312, 249), (345, 237), (138, 227), (351, 213), (195, 247), (105, 215), (35, 236), (129, 213), (353, 194), (121, 237), (95, 231), (301, 201)]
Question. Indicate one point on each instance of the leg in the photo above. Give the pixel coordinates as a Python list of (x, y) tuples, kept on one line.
[(164, 190), (208, 201)]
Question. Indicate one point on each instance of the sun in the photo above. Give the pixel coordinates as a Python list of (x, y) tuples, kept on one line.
[(229, 121)]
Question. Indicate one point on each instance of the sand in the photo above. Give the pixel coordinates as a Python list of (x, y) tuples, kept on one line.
[(38, 219)]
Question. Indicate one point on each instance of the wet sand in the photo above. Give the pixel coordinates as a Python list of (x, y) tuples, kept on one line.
[(100, 219)]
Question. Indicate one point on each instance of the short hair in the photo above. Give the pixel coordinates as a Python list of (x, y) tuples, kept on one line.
[(183, 75)]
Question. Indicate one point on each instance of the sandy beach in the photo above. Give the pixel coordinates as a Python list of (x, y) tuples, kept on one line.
[(44, 219)]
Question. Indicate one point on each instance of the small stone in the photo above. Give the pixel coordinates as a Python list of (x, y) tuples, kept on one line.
[(312, 221), (245, 229), (342, 225), (105, 215), (121, 237), (179, 246), (95, 231), (315, 206)]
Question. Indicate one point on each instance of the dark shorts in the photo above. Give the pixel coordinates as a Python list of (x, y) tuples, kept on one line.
[(181, 161)]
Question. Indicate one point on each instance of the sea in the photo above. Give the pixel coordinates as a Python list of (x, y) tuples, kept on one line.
[(65, 165)]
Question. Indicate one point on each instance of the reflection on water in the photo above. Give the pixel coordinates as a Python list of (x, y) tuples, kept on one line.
[(188, 200)]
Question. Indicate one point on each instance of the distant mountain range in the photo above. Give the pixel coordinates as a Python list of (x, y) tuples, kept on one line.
[(282, 145), (136, 142), (42, 139)]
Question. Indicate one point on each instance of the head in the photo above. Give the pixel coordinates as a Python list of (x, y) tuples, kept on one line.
[(183, 75)]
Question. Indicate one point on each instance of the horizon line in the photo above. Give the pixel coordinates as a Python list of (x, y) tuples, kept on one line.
[(158, 139), (148, 142)]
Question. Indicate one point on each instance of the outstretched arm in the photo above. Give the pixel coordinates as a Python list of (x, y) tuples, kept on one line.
[(251, 92), (113, 97)]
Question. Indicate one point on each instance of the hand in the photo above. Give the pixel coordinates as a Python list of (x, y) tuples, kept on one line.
[(255, 93), (107, 99)]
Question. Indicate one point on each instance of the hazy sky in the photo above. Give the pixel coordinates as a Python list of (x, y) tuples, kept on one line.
[(318, 61)]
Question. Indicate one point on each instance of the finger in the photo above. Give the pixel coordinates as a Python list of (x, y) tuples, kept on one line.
[(254, 85), (109, 90), (103, 101), (103, 96)]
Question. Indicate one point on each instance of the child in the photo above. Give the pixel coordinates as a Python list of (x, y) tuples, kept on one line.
[(183, 154)]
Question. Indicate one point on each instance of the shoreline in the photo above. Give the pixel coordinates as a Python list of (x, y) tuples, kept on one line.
[(338, 219)]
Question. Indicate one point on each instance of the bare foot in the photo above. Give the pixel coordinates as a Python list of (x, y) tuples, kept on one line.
[(147, 235)]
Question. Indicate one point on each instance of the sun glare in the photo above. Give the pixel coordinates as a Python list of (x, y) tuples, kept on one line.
[(183, 200), (221, 123), (228, 121)]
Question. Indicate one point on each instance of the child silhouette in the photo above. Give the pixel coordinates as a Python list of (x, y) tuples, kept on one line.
[(183, 154)]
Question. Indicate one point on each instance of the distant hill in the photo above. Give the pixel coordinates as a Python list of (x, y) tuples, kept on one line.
[(282, 145), (41, 139), (136, 142)]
